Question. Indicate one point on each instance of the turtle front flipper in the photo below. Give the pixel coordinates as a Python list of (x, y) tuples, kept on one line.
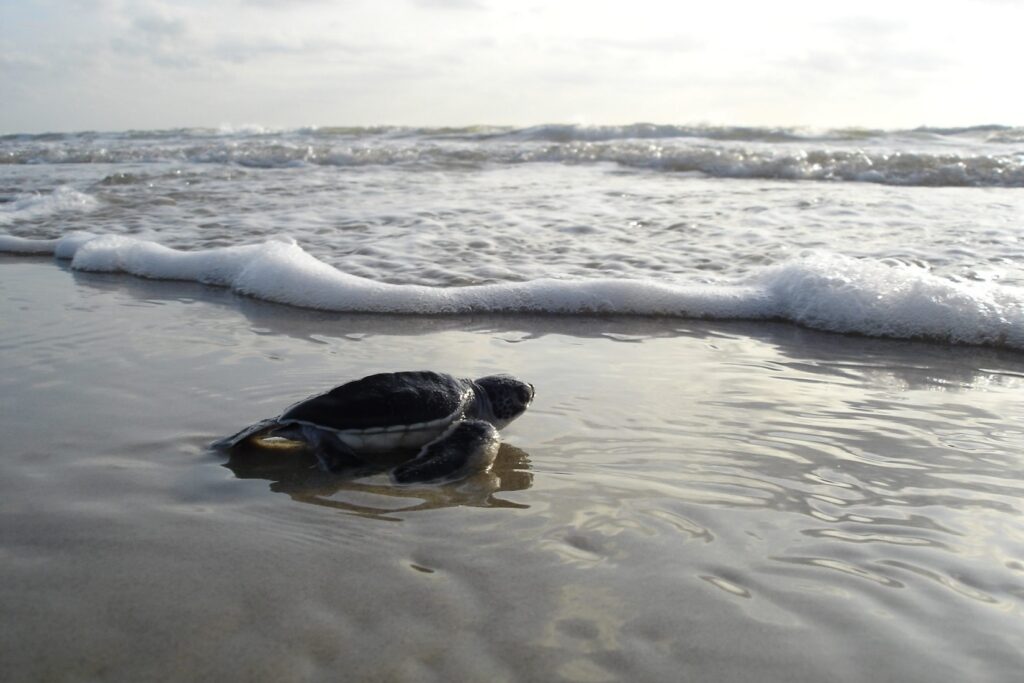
[(467, 447), (259, 429)]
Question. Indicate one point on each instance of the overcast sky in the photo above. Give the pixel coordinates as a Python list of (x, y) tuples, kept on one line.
[(116, 64)]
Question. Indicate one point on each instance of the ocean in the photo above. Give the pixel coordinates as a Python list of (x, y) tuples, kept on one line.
[(777, 435), (911, 234)]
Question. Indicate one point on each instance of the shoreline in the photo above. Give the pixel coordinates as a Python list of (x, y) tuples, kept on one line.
[(614, 326), (825, 292), (718, 500)]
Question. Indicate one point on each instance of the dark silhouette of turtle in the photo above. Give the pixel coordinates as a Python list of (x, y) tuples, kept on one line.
[(453, 422)]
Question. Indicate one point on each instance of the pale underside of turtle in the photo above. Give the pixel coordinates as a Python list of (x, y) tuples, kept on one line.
[(453, 422)]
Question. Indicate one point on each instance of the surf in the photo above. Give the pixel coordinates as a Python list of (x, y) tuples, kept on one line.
[(819, 290)]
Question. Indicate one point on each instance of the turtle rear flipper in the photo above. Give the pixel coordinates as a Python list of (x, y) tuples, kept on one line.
[(261, 428), (468, 447), (331, 452)]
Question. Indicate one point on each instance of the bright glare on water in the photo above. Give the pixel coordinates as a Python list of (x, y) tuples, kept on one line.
[(708, 486)]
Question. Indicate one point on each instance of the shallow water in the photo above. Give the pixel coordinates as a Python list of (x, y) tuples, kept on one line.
[(910, 234), (471, 206), (709, 501)]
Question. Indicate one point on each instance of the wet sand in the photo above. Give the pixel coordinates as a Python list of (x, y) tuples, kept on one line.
[(684, 500)]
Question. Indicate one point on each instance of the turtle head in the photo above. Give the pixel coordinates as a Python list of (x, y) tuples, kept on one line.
[(508, 398)]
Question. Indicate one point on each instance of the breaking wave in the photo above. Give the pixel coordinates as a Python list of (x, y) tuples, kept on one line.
[(555, 132), (980, 156), (36, 205), (819, 290)]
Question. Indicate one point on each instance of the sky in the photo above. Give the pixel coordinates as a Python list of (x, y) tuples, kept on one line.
[(69, 65)]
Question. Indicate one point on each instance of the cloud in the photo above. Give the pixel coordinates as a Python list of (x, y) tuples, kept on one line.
[(847, 62), (663, 44), (168, 55), (159, 26), (152, 33), (865, 27), (868, 47), (14, 60), (450, 4), (284, 62), (282, 4)]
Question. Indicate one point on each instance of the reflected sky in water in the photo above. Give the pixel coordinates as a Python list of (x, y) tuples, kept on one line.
[(700, 501)]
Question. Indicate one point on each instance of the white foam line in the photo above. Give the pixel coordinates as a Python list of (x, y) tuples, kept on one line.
[(822, 291), (62, 247), (285, 273)]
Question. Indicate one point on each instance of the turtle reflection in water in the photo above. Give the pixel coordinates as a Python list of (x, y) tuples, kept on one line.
[(370, 492), (452, 422)]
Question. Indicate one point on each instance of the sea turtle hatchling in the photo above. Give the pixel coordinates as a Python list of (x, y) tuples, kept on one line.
[(453, 422)]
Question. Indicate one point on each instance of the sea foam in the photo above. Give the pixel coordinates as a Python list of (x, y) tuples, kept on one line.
[(35, 205), (984, 156), (818, 290)]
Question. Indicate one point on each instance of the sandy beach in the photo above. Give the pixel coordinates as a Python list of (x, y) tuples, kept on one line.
[(763, 264), (684, 500)]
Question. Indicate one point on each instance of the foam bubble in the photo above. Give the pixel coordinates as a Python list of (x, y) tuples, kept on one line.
[(818, 290), (886, 299), (34, 205), (62, 247)]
